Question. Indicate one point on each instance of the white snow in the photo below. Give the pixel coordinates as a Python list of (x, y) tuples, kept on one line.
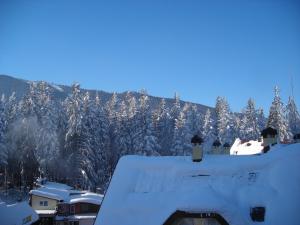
[(65, 193), (17, 214), (246, 148), (147, 190)]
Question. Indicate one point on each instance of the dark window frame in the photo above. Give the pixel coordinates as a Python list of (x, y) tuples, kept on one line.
[(182, 214)]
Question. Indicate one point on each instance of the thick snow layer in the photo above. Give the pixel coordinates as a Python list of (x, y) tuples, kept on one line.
[(147, 190), (17, 214), (246, 148), (87, 198)]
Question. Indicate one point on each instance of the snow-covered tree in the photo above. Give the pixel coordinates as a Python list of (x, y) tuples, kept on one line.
[(292, 116), (163, 127), (3, 150), (146, 141), (249, 122), (223, 120), (261, 119), (208, 130), (277, 118), (74, 139)]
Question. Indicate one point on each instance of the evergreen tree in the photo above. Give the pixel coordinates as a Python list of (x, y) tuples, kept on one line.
[(293, 116), (249, 123), (163, 127), (277, 119), (208, 130), (74, 139), (146, 141), (3, 150), (223, 120)]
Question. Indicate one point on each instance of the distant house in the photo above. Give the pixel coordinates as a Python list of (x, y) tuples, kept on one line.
[(62, 205), (17, 214), (241, 147), (221, 190)]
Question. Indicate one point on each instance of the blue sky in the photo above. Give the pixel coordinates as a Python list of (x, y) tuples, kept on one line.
[(200, 49)]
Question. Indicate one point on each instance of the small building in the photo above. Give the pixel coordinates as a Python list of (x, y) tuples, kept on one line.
[(297, 138), (17, 214), (59, 204), (269, 136), (216, 147), (241, 147)]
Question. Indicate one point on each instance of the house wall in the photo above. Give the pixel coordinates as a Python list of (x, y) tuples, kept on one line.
[(86, 222), (35, 203)]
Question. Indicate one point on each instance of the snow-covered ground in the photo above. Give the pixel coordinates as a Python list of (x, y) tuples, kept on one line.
[(147, 190)]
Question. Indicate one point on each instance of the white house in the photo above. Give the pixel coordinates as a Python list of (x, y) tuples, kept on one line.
[(221, 189), (251, 147), (60, 204), (17, 214)]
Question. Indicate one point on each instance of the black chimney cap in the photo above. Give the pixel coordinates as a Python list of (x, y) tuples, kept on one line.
[(258, 213), (297, 136), (269, 131), (216, 143), (196, 140), (226, 145)]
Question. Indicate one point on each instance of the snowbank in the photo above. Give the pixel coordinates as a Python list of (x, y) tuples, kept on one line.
[(147, 190)]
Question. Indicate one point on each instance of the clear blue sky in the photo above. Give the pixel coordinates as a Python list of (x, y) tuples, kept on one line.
[(199, 48)]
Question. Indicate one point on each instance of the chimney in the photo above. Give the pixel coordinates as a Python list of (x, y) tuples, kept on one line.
[(197, 154), (269, 136)]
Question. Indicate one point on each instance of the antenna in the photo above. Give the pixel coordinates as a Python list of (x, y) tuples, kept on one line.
[(292, 86)]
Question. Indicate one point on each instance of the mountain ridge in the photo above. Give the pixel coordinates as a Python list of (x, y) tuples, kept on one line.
[(10, 84)]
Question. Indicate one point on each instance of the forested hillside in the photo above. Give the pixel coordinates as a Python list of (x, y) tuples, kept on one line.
[(79, 138)]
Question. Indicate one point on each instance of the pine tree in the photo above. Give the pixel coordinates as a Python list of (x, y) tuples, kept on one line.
[(163, 127), (277, 119), (208, 130), (261, 119), (3, 150), (249, 123), (74, 140), (223, 120), (113, 155), (292, 116), (146, 141)]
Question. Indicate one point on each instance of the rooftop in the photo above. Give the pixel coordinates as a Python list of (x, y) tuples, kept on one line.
[(156, 187)]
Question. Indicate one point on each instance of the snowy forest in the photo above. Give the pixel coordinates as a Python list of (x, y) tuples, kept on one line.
[(80, 140)]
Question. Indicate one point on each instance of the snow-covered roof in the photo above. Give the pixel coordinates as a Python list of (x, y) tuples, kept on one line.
[(147, 190), (17, 214), (246, 148), (87, 197), (78, 216), (55, 185), (65, 193)]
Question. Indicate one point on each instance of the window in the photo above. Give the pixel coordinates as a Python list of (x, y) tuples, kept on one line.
[(72, 209), (185, 218), (43, 203)]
